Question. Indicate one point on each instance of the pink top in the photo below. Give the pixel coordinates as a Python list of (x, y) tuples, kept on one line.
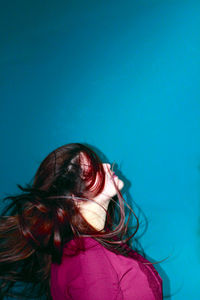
[(100, 274)]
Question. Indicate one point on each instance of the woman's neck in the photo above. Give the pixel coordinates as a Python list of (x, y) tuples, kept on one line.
[(94, 213)]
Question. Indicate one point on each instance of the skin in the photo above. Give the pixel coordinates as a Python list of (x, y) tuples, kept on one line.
[(93, 211)]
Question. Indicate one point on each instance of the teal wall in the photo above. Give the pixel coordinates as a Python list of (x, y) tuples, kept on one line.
[(123, 76)]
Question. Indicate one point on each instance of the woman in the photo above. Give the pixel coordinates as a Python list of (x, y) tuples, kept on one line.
[(59, 238)]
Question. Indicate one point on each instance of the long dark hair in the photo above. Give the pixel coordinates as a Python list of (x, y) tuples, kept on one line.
[(37, 224)]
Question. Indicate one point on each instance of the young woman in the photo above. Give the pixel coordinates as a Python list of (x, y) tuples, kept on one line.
[(59, 237)]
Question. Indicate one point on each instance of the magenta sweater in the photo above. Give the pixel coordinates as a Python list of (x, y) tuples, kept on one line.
[(99, 274)]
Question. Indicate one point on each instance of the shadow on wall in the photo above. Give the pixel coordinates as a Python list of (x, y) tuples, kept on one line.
[(143, 225)]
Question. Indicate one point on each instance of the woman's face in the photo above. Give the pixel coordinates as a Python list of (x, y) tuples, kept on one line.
[(111, 180)]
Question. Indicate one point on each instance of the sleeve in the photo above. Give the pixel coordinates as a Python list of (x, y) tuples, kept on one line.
[(96, 279)]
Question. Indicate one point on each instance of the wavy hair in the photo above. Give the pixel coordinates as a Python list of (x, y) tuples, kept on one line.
[(37, 223)]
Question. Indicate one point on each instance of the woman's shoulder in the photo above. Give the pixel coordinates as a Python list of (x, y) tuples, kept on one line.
[(81, 254), (88, 251), (86, 274), (85, 258)]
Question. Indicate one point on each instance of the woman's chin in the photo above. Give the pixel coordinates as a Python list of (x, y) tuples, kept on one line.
[(119, 183)]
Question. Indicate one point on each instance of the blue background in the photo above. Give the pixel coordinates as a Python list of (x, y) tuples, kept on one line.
[(123, 76)]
